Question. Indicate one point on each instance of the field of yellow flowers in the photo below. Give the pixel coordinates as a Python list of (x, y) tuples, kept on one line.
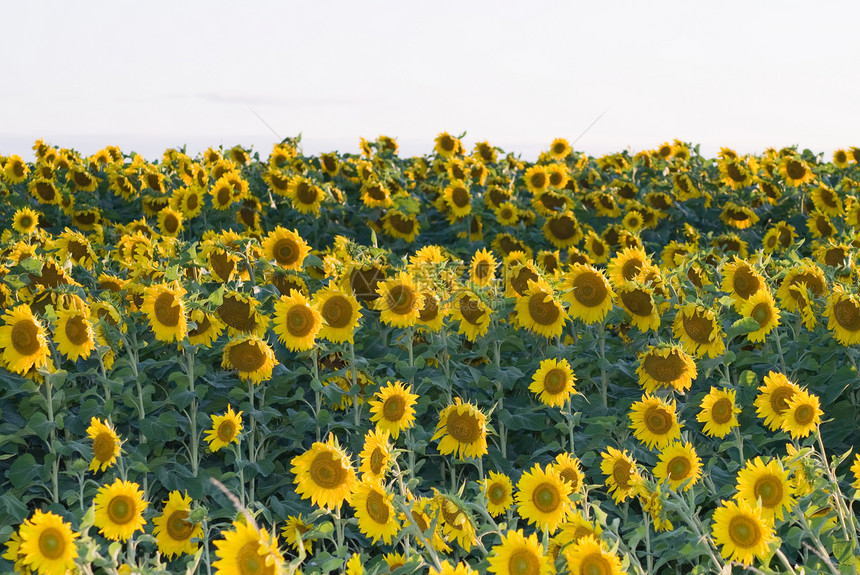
[(449, 364)]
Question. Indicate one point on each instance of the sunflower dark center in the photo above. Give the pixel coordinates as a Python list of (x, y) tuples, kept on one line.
[(463, 427), (25, 337), (543, 310), (721, 411), (546, 497), (246, 357), (52, 543)]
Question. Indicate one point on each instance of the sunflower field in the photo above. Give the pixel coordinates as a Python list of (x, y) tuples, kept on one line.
[(458, 363)]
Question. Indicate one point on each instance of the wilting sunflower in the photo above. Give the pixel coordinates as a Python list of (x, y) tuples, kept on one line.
[(761, 307), (719, 412), (654, 421), (499, 491), (473, 315), (23, 340), (340, 313), (286, 247), (699, 330), (25, 221), (119, 510), (240, 312), (106, 444), (519, 555), (324, 474), (806, 273), (296, 321), (802, 415), (742, 531), (768, 484), (47, 544), (666, 366), (741, 281), (842, 312), (738, 216), (248, 551), (374, 510), (588, 293), (454, 521), (553, 382), (462, 428), (376, 455), (543, 497), (165, 310), (570, 470), (589, 556), (638, 301), (538, 310), (225, 429), (772, 400), (393, 408), (172, 529), (251, 357), (482, 269), (294, 533), (74, 333), (400, 300), (678, 463)]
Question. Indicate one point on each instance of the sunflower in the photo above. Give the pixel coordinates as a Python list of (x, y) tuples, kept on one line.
[(23, 340), (74, 246), (400, 300), (393, 408), (666, 366), (679, 463), (448, 146), (499, 491), (699, 331), (376, 455), (795, 171), (48, 544), (827, 201), (638, 301), (626, 265), (25, 221), (761, 307), (654, 421), (572, 530), (562, 230), (507, 214), (458, 199), (559, 149), (539, 311), (519, 555), (248, 551), (719, 412), (741, 281), (305, 196), (460, 568), (296, 321), (74, 333), (324, 474), (374, 510), (738, 216), (208, 328), (462, 428), (589, 556), (820, 225), (842, 312), (543, 497), (340, 313), (170, 222), (588, 293), (119, 510), (553, 382), (295, 533), (251, 357), (106, 444), (773, 397), (15, 170), (241, 314), (473, 315), (225, 429), (165, 310), (768, 485), (401, 225), (286, 247), (742, 531), (454, 521), (735, 173), (222, 194), (855, 469), (802, 415), (570, 470), (482, 269), (536, 179), (172, 529)]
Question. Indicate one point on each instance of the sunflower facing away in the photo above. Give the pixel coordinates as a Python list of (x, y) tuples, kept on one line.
[(248, 551), (462, 428), (393, 408), (172, 529), (543, 497), (48, 544), (324, 473), (654, 422), (719, 412), (519, 555), (225, 429), (374, 511), (553, 382), (119, 510), (165, 310), (251, 357), (499, 491), (296, 321), (742, 531), (106, 444), (23, 340)]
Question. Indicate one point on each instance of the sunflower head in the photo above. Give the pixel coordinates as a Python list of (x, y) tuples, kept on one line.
[(462, 429), (324, 474)]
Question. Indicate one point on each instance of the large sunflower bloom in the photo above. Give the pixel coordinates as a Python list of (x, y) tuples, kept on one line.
[(296, 321), (843, 316), (768, 484), (699, 330), (119, 510), (324, 473), (462, 428), (106, 444), (665, 366), (677, 464), (286, 247), (165, 310), (553, 382), (374, 511), (519, 555), (742, 531), (719, 412), (225, 429), (638, 301), (340, 313), (393, 408), (589, 556), (621, 473), (543, 497), (802, 415), (248, 551), (251, 357), (48, 544), (74, 333), (23, 340), (654, 422), (539, 311), (741, 281), (473, 315), (588, 293), (172, 530), (399, 300)]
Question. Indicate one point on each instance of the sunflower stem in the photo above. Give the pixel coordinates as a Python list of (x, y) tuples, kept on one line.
[(446, 358), (354, 373), (785, 561), (252, 451), (317, 394), (740, 441), (194, 448), (649, 560), (569, 414), (55, 465), (779, 350), (839, 499), (604, 377), (206, 546), (409, 335)]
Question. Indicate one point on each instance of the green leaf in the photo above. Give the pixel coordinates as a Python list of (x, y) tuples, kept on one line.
[(743, 326)]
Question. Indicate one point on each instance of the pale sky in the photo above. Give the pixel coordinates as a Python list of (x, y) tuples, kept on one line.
[(157, 74)]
